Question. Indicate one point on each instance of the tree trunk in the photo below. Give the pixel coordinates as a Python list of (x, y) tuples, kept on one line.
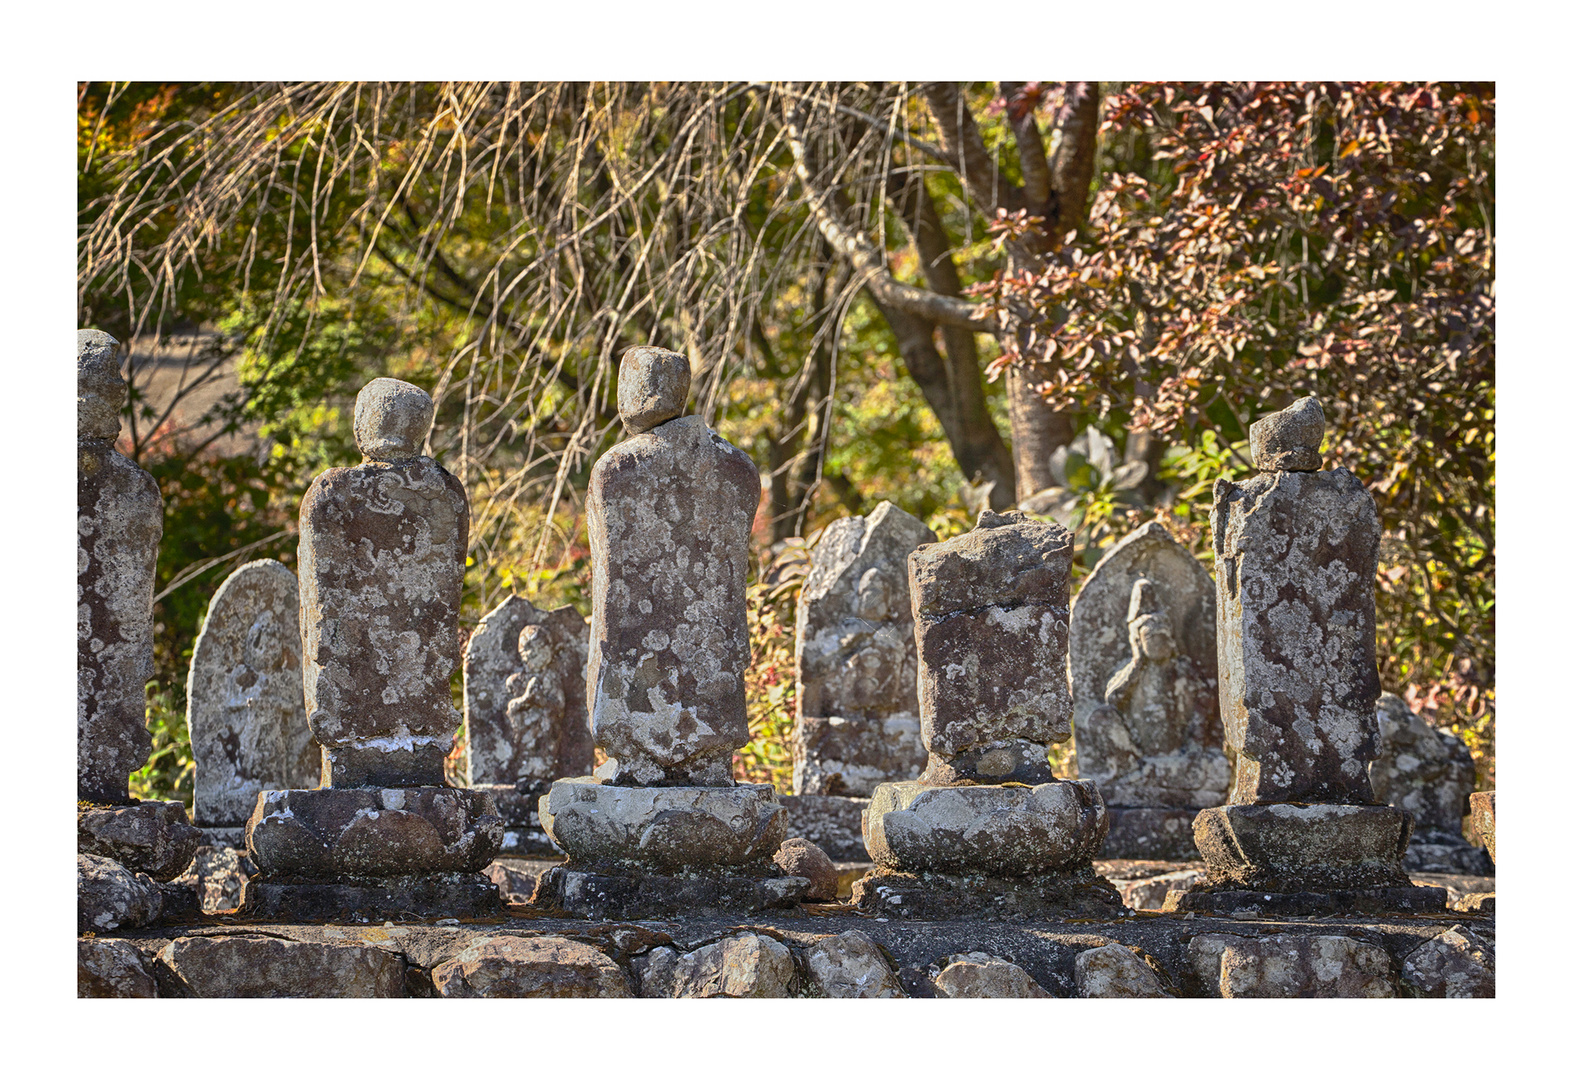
[(1036, 431)]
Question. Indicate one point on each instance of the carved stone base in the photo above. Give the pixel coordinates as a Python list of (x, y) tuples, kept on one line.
[(335, 834), (833, 822), (152, 838), (1008, 830), (1410, 899), (617, 892), (1149, 832), (1292, 848), (453, 895), (1077, 891)]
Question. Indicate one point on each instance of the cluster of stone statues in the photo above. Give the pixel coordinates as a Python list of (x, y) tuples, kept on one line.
[(1238, 719)]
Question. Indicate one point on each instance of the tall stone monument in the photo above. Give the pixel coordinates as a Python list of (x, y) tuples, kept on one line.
[(524, 712), (245, 701), (988, 828), (382, 550), (1429, 773), (661, 827), (1296, 552), (1144, 694), (857, 677), (120, 520)]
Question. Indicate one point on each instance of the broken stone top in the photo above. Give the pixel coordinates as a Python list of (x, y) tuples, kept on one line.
[(652, 387), (392, 418), (1290, 440), (1007, 559), (100, 391)]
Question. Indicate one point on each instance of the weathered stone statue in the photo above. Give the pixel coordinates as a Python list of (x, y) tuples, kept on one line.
[(382, 549), (1429, 773), (120, 519), (988, 827), (661, 827), (1296, 554), (1144, 690), (856, 658), (245, 701), (524, 712)]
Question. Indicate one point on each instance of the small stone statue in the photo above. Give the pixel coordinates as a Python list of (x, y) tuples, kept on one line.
[(538, 703)]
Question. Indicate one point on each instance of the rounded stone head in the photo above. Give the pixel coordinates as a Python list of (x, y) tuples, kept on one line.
[(652, 387), (1290, 440), (392, 418), (100, 391), (535, 648)]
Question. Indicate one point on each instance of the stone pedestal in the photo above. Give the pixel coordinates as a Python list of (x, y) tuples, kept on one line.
[(641, 851)]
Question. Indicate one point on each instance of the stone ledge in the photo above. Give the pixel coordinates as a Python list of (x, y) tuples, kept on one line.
[(1414, 899), (459, 895), (613, 892)]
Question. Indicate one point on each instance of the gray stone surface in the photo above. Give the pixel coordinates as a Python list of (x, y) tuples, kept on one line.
[(1429, 773), (120, 520), (218, 875), (382, 550), (1459, 963), (1289, 440), (1483, 816), (1296, 564), (524, 696), (742, 966), (153, 838), (798, 857), (850, 965), (1314, 848), (664, 828), (111, 969), (245, 702), (652, 387), (1290, 966), (1144, 679), (1148, 894), (540, 967), (110, 897), (991, 610), (1114, 971), (670, 511), (253, 966), (833, 822), (979, 975), (856, 658)]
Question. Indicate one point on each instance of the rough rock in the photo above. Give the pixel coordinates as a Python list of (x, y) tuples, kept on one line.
[(741, 966), (1009, 830), (1113, 971), (664, 827), (849, 757), (252, 966), (373, 832), (111, 969), (1296, 562), (979, 975), (521, 967), (444, 895), (1483, 816), (153, 838), (856, 658), (1288, 848), (652, 387), (1429, 773), (245, 701), (1150, 832), (110, 897), (850, 965), (515, 884), (1289, 440), (120, 520), (1455, 964), (382, 550), (991, 609), (798, 857), (1144, 679), (524, 697), (670, 512), (833, 822), (1148, 894), (929, 895), (218, 874), (1290, 966)]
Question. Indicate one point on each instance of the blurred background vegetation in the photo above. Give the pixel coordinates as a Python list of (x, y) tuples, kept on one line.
[(1068, 297)]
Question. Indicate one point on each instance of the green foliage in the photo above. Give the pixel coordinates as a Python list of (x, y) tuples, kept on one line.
[(170, 771)]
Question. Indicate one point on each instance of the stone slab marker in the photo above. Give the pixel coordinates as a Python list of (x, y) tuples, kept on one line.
[(382, 550), (989, 827), (524, 712), (120, 520), (1144, 692), (1296, 554), (661, 827), (245, 701), (857, 681), (1429, 773)]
